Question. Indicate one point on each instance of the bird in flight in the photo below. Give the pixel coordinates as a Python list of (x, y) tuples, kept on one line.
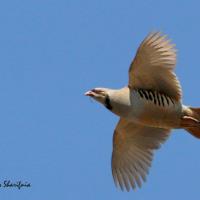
[(149, 107)]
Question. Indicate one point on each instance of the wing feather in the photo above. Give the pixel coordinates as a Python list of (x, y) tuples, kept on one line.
[(153, 65), (133, 147)]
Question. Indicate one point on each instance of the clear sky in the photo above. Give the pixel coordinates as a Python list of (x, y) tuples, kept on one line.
[(60, 141)]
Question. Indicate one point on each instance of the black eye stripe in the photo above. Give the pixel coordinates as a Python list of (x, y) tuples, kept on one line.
[(107, 103)]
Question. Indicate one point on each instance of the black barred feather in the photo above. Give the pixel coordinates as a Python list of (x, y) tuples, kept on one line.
[(156, 97)]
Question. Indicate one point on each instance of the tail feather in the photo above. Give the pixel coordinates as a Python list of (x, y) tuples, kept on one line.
[(191, 122)]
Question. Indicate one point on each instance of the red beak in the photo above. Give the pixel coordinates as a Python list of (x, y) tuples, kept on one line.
[(89, 93)]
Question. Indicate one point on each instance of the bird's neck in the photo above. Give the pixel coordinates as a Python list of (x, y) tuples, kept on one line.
[(120, 100)]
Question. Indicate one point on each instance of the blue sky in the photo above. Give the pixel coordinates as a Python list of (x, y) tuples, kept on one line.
[(56, 138)]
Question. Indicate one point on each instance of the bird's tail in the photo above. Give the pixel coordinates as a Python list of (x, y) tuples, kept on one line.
[(191, 121)]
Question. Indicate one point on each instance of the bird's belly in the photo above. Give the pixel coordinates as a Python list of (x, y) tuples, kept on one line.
[(163, 114)]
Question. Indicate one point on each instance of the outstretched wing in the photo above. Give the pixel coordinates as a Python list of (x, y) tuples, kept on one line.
[(133, 146), (153, 65)]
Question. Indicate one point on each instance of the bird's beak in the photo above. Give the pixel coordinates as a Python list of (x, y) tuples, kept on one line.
[(89, 93), (94, 92)]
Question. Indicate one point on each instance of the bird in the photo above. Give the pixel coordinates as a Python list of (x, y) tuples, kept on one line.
[(149, 107)]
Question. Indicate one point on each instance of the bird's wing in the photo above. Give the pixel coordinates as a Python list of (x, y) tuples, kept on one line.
[(152, 67), (133, 146)]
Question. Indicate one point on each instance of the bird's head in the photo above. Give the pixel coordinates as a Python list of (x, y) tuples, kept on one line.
[(101, 95)]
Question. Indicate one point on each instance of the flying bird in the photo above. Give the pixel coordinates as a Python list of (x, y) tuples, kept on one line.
[(148, 107)]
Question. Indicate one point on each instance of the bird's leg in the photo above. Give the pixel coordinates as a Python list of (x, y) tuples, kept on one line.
[(187, 122)]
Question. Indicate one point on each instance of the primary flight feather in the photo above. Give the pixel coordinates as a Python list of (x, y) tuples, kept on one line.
[(149, 107)]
